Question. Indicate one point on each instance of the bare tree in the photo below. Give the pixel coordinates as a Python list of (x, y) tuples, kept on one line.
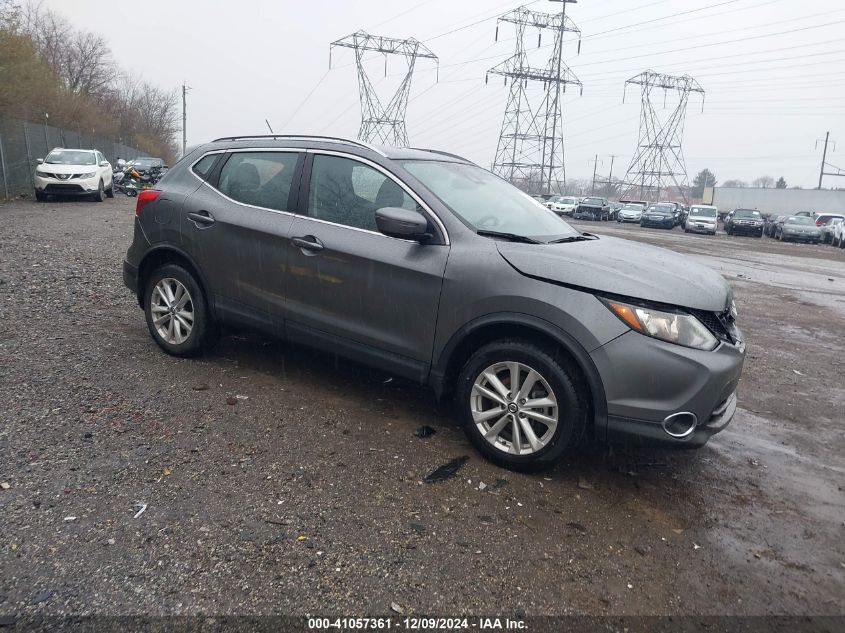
[(10, 15), (763, 181), (81, 59), (734, 183)]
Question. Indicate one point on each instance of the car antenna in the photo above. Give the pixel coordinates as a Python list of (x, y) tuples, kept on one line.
[(268, 125)]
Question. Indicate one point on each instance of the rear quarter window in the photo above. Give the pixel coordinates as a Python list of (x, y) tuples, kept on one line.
[(202, 167)]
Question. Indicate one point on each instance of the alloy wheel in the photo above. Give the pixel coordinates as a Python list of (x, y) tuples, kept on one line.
[(172, 311), (514, 408)]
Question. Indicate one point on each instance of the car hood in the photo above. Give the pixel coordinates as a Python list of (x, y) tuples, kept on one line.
[(67, 169), (622, 267)]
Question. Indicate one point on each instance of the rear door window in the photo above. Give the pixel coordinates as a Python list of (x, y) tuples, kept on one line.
[(261, 179)]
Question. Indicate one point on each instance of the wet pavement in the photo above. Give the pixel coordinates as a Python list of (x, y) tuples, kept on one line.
[(134, 487)]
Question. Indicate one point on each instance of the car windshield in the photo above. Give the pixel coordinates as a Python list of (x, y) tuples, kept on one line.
[(594, 201), (661, 210), (632, 207), (747, 214), (567, 201), (70, 157), (703, 212), (799, 220), (146, 162), (487, 202)]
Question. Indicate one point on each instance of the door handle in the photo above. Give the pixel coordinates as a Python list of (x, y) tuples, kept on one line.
[(201, 217), (308, 242)]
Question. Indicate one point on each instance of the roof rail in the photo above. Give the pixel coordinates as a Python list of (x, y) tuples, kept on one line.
[(302, 137), (442, 153)]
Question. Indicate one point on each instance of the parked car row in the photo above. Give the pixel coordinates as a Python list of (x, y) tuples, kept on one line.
[(802, 226)]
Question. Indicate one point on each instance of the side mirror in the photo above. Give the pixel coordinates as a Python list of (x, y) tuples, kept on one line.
[(40, 161), (104, 163), (402, 223)]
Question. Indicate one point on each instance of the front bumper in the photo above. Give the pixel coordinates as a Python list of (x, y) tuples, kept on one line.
[(697, 227), (647, 380), (747, 229), (802, 237), (69, 187), (629, 217), (668, 223)]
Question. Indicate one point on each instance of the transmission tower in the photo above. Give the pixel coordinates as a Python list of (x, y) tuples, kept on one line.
[(658, 162), (381, 124), (530, 149)]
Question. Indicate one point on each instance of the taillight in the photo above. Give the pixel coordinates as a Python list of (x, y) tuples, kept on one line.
[(819, 222), (145, 196)]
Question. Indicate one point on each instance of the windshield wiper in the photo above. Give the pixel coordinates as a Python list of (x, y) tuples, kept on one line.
[(513, 237), (575, 238)]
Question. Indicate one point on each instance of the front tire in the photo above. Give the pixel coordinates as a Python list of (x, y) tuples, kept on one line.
[(39, 196), (521, 406), (101, 194), (110, 191), (177, 313)]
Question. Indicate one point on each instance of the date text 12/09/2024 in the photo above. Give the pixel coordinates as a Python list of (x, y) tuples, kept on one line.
[(416, 624)]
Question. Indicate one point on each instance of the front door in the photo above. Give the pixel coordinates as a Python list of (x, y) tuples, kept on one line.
[(352, 289)]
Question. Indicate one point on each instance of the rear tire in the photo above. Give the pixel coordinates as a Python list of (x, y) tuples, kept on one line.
[(556, 392), (166, 287)]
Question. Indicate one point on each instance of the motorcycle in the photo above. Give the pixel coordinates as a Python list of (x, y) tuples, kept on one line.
[(127, 180)]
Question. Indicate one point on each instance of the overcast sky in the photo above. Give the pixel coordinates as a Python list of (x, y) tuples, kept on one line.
[(772, 71)]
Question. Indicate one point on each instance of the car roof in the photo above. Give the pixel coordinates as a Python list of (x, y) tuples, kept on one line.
[(71, 149), (361, 148)]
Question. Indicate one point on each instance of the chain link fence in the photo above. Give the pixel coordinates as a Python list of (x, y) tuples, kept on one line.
[(23, 142)]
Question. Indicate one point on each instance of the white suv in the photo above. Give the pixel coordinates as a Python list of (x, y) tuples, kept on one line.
[(74, 172)]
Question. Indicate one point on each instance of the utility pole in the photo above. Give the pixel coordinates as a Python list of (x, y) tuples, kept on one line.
[(610, 175), (185, 89), (824, 157), (595, 166)]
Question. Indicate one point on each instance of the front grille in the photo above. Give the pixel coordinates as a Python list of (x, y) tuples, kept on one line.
[(45, 174), (62, 188), (721, 324)]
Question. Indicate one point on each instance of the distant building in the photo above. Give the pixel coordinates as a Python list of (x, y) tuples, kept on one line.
[(770, 200)]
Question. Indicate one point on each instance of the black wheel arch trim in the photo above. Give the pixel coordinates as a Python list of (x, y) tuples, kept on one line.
[(166, 247), (438, 373)]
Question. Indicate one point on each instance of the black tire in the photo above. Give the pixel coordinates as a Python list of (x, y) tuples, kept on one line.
[(101, 193), (110, 191), (40, 197), (562, 378), (686, 230), (204, 332)]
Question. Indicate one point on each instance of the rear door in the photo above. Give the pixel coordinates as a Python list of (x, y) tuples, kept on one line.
[(351, 288), (237, 226)]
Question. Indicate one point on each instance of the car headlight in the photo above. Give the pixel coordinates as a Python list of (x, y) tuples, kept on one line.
[(39, 172), (90, 174), (673, 327)]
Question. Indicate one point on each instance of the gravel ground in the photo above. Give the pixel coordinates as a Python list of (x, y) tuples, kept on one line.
[(131, 486)]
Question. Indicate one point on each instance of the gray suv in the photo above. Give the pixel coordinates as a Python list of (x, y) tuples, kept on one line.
[(426, 266)]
